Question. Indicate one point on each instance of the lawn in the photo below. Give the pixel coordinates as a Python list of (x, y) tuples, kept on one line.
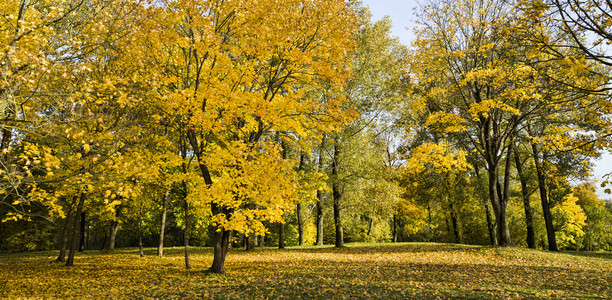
[(358, 271)]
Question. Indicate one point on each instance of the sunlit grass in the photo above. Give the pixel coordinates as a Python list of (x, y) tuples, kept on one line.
[(358, 271)]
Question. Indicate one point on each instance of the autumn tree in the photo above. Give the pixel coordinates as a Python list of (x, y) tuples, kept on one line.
[(482, 79), (375, 91), (229, 81)]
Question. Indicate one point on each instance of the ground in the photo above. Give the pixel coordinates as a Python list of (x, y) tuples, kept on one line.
[(360, 271)]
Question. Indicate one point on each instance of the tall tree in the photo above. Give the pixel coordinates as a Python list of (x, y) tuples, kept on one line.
[(481, 79), (232, 81)]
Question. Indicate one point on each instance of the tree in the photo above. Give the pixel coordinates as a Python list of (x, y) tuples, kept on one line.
[(483, 81), (375, 92), (230, 81)]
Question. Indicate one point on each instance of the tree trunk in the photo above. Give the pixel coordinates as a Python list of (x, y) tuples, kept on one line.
[(320, 200), (105, 242), (250, 242), (298, 209), (64, 238), (300, 222), (499, 208), (337, 195), (162, 229), (186, 231), (114, 229), (489, 216), (490, 225), (82, 232), (394, 228), (550, 230), (75, 233), (454, 222), (140, 251), (370, 223), (528, 211), (319, 218), (281, 235), (221, 246)]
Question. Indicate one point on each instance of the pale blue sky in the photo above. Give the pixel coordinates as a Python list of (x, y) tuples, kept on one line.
[(401, 13)]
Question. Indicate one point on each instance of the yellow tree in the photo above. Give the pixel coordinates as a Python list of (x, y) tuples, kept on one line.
[(481, 79), (228, 75), (447, 165)]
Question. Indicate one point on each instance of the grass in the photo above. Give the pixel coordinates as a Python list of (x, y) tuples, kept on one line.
[(359, 271)]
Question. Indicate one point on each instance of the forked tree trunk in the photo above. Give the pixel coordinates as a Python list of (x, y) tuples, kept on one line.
[(488, 214), (162, 229), (548, 219), (499, 197), (499, 208), (75, 233), (64, 240), (527, 206)]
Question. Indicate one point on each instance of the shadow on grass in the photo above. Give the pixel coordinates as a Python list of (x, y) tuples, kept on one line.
[(603, 255), (389, 248)]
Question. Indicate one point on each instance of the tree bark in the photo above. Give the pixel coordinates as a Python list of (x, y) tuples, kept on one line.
[(320, 200), (337, 195), (394, 239), (186, 231), (489, 216), (64, 238), (298, 209), (75, 233), (82, 232), (300, 221), (250, 242), (454, 222), (548, 220), (490, 225), (221, 247), (114, 229), (281, 235), (497, 195), (528, 211), (162, 229), (499, 209), (319, 218), (140, 251)]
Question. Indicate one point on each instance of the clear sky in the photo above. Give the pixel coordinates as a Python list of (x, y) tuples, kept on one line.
[(401, 13)]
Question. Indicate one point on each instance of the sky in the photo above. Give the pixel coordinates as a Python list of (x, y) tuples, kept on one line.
[(402, 15)]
